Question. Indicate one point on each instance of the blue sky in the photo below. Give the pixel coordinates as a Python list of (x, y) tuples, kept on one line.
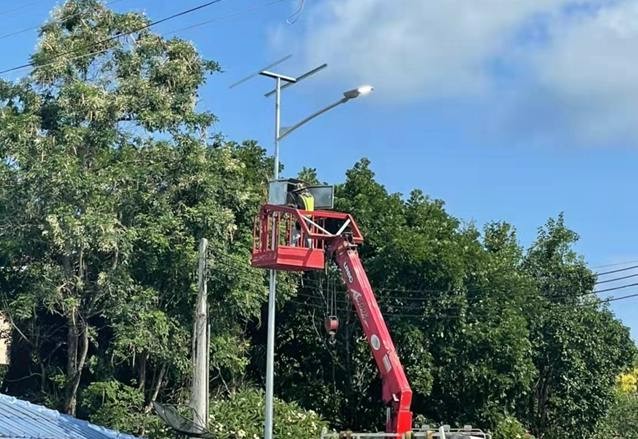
[(513, 111)]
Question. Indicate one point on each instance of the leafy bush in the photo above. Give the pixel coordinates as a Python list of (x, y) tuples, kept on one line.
[(242, 416), (621, 420), (120, 407), (510, 428)]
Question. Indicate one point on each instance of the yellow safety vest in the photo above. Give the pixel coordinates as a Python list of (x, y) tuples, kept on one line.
[(307, 200)]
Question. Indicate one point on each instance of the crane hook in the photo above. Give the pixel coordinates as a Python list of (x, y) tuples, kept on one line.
[(332, 326)]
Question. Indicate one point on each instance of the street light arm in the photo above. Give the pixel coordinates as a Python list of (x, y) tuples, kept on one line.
[(285, 131)]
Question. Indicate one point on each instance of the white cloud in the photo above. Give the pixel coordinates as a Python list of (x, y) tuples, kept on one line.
[(415, 47), (591, 72), (572, 64)]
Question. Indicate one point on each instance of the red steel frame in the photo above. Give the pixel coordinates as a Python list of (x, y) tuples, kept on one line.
[(273, 249)]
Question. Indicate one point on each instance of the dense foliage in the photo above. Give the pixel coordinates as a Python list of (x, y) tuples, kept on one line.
[(484, 327), (510, 428), (108, 179), (621, 419), (241, 415)]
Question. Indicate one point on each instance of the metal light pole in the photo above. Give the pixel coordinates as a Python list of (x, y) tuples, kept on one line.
[(272, 285)]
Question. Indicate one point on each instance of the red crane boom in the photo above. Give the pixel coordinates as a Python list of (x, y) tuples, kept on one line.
[(396, 392), (291, 239)]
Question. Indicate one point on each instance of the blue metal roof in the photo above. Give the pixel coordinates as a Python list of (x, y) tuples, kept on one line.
[(23, 420)]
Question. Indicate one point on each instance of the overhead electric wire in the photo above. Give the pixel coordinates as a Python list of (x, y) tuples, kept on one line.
[(19, 8), (18, 32), (616, 271), (97, 52), (224, 17), (386, 314), (426, 298), (616, 279), (390, 314), (613, 299), (615, 288), (311, 301), (84, 55), (123, 34), (27, 29), (616, 264), (404, 310)]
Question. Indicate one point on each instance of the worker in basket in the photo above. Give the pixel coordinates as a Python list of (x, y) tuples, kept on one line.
[(303, 200)]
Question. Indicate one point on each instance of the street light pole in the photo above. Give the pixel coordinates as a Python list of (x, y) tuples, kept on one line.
[(272, 284), (272, 291)]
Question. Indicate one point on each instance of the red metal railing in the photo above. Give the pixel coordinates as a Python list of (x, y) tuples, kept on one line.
[(300, 228)]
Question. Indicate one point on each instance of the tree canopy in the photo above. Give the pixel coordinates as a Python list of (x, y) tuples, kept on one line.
[(109, 176)]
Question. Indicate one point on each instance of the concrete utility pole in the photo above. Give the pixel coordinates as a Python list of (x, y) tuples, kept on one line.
[(5, 338), (199, 391)]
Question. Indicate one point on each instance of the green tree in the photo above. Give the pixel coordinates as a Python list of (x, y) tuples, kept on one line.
[(107, 182), (579, 348)]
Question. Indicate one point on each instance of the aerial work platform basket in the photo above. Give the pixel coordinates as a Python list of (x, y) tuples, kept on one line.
[(286, 238)]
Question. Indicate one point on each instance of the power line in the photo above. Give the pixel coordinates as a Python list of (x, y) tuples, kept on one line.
[(616, 271), (21, 7), (224, 17), (613, 299), (386, 314), (616, 264), (97, 52), (424, 292), (615, 288), (84, 55), (389, 315), (27, 29), (18, 32), (616, 279), (403, 290), (183, 29), (316, 286), (431, 299), (123, 34), (404, 310)]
